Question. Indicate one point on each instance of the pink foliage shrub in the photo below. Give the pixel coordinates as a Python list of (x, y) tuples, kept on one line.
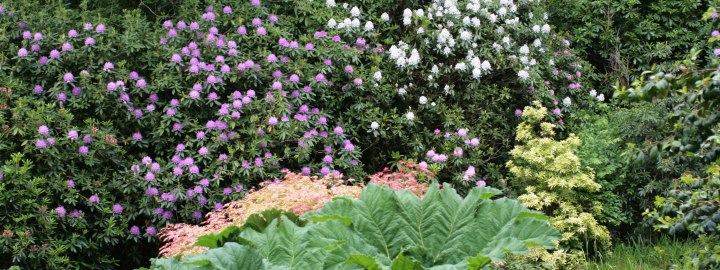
[(406, 178), (296, 193)]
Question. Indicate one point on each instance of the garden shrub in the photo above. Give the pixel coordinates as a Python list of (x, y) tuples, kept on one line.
[(176, 117), (623, 38), (410, 176), (492, 57), (383, 228), (542, 259), (611, 143), (693, 206), (552, 179), (295, 193), (690, 205)]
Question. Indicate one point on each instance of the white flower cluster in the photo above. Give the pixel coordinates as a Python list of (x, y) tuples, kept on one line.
[(600, 97), (459, 32), (400, 55), (351, 22)]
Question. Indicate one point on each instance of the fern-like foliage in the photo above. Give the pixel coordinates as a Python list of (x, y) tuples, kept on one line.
[(387, 229)]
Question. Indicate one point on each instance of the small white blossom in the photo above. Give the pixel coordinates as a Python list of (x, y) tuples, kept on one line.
[(465, 35), (332, 23), (374, 125), (524, 49), (354, 12), (537, 42), (377, 75), (402, 91), (355, 23), (410, 116), (485, 65), (523, 74), (385, 17), (567, 102), (407, 13), (423, 100), (492, 18), (420, 30), (369, 26), (593, 93), (414, 58), (536, 28), (524, 60), (546, 29), (601, 97), (330, 3)]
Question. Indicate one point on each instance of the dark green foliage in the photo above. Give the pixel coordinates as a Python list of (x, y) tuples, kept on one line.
[(691, 205), (621, 147), (623, 38)]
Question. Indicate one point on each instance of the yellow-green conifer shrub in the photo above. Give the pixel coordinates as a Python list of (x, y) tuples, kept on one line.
[(555, 182)]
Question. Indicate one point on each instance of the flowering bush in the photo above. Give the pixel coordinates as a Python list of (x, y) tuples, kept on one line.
[(159, 131), (492, 57), (153, 123)]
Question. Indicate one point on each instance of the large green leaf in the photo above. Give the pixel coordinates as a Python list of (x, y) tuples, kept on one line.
[(231, 256), (385, 229), (286, 244)]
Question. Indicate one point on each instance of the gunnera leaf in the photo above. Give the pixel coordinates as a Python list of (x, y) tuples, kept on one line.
[(385, 229)]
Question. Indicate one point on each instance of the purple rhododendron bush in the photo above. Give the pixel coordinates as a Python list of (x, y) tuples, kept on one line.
[(115, 125)]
